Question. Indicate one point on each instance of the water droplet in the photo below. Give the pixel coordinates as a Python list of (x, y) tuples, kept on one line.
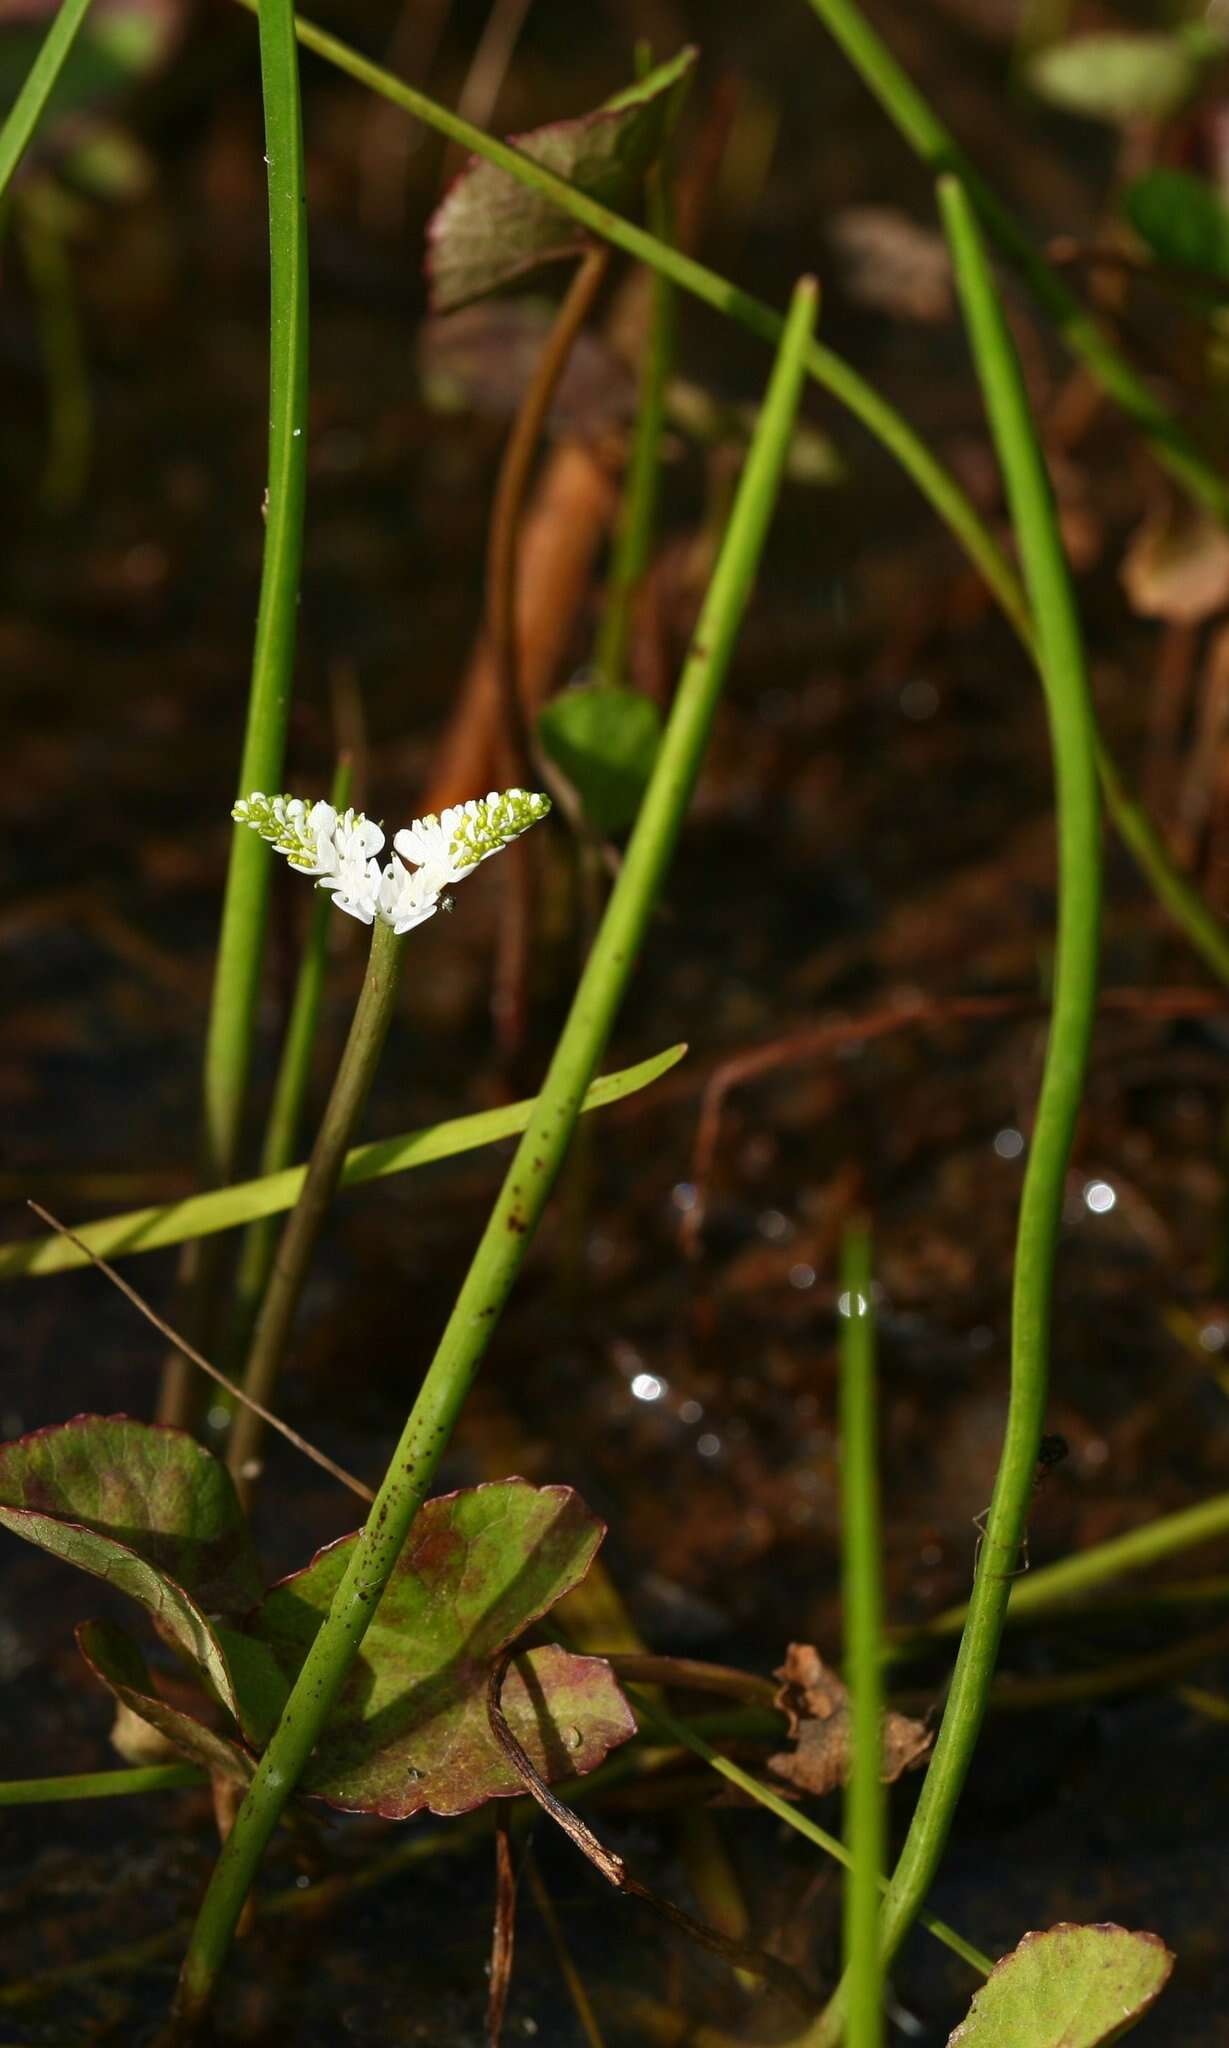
[(1099, 1196), (802, 1276), (647, 1387), (574, 1738), (1009, 1143)]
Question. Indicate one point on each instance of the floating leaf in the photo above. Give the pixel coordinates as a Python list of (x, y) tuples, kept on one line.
[(115, 1659), (1177, 568), (1116, 77), (411, 1730), (605, 740), (148, 1510), (816, 1704), (1183, 219), (1073, 1987), (490, 227)]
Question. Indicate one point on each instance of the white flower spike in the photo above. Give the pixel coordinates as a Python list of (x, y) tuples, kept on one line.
[(339, 851)]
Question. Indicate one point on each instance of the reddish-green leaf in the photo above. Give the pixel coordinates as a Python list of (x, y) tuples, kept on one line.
[(148, 1510), (115, 1659), (490, 227), (1073, 1987), (411, 1728)]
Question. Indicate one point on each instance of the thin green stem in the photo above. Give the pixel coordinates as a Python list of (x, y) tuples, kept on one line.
[(862, 1594), (99, 1784), (27, 109), (144, 1230), (232, 1014), (514, 1218), (938, 149), (373, 1013), (880, 420), (1072, 734), (774, 1802), (285, 1118)]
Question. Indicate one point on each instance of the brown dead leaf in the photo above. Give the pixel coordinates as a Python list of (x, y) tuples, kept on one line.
[(816, 1704), (892, 264), (1176, 567)]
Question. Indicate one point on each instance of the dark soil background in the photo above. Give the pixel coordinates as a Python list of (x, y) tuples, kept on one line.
[(874, 823)]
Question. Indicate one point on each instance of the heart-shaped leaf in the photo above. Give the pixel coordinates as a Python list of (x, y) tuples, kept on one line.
[(490, 227), (605, 740), (411, 1730), (1073, 1987), (115, 1659), (148, 1510)]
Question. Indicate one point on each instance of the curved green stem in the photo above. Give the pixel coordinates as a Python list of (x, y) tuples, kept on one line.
[(100, 1784), (236, 983), (519, 1206), (1072, 733), (373, 1013), (938, 149)]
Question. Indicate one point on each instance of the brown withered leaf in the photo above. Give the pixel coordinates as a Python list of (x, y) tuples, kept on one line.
[(1176, 567), (816, 1705)]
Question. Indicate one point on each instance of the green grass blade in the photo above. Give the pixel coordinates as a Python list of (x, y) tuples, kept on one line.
[(146, 1230), (117, 1784), (880, 420), (533, 1171), (862, 1593), (938, 149), (23, 116), (1079, 864)]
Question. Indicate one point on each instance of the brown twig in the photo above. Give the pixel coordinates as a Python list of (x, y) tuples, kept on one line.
[(816, 1040), (503, 1937), (181, 1344), (612, 1867), (692, 1676), (585, 2015)]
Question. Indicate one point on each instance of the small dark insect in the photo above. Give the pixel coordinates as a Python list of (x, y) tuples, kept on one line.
[(1050, 1452)]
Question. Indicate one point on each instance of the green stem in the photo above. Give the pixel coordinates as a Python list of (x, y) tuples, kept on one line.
[(99, 1784), (144, 1230), (70, 419), (514, 1218), (1072, 734), (938, 149), (236, 984), (285, 1119), (373, 1013), (27, 109), (862, 1594), (880, 420)]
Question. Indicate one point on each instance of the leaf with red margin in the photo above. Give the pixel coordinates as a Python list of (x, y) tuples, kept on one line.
[(147, 1509), (115, 1659), (410, 1730), (1072, 1987), (489, 227)]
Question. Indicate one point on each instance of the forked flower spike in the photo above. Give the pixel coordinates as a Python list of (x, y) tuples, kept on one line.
[(339, 849)]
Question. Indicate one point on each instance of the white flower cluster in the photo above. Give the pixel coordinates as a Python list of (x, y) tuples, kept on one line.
[(340, 849)]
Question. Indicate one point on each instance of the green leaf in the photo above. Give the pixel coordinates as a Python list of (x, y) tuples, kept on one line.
[(148, 1510), (410, 1730), (490, 228), (605, 740), (1073, 1987), (1182, 218), (144, 1230), (116, 1661), (1116, 77)]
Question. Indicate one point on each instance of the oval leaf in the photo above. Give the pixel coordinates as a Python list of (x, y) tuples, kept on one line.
[(605, 740), (1073, 1987), (410, 1730), (1114, 77), (148, 1510), (116, 1661), (1183, 220), (490, 227)]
